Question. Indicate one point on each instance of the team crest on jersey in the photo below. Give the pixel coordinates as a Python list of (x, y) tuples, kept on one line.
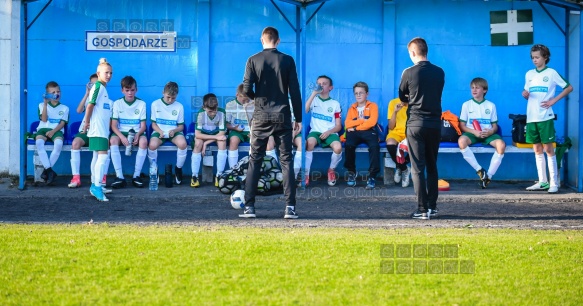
[(330, 109), (487, 112), (546, 79), (174, 113), (61, 113), (136, 111)]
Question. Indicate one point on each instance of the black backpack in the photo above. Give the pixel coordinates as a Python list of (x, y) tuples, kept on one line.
[(518, 128), (448, 132)]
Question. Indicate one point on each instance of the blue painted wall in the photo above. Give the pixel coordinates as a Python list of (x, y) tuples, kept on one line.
[(362, 42)]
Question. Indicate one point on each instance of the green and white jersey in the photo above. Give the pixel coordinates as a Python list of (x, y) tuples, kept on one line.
[(239, 114), (484, 112), (208, 125), (324, 114), (55, 114), (129, 115), (101, 116), (167, 116), (541, 87)]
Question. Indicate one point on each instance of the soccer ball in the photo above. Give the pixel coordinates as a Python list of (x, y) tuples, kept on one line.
[(268, 164), (238, 199), (275, 178), (228, 182), (263, 185), (241, 167)]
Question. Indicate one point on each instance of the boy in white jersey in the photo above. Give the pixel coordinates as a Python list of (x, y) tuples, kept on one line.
[(239, 114), (96, 123), (129, 114), (539, 90), (484, 113), (210, 127), (167, 116), (53, 117), (81, 140), (325, 125)]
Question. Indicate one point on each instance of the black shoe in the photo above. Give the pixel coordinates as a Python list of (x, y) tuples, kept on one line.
[(420, 215), (248, 212), (433, 213), (486, 182), (44, 176), (178, 175), (483, 177), (119, 183), (290, 212), (137, 182), (51, 176)]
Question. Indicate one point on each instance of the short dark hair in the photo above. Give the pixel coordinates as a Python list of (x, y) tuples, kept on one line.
[(421, 45), (361, 85), (93, 76), (128, 81), (271, 34), (326, 77), (51, 84), (171, 88), (209, 101), (544, 52)]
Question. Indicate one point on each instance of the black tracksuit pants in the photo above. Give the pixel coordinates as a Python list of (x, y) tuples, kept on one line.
[(353, 139), (423, 149)]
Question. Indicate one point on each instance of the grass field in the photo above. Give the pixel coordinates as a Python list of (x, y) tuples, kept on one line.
[(113, 264)]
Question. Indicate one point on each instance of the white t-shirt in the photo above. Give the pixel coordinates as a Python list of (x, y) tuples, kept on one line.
[(484, 112), (541, 87), (129, 115), (208, 125), (101, 116), (239, 114), (360, 110), (324, 114), (167, 116), (55, 114)]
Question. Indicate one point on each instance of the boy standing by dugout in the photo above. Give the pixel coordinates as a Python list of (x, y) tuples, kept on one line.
[(129, 113), (539, 90)]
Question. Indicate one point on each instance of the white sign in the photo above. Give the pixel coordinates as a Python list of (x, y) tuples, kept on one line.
[(131, 41)]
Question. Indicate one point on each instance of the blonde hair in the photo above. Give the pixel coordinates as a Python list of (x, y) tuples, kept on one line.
[(103, 61)]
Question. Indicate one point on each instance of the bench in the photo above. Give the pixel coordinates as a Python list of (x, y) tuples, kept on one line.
[(207, 169)]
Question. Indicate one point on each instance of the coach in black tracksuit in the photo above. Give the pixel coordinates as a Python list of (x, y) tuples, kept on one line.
[(274, 76), (421, 87)]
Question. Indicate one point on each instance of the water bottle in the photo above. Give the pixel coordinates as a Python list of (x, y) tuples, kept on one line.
[(129, 147), (242, 126), (90, 85), (168, 176), (476, 125), (50, 96), (315, 87), (153, 175)]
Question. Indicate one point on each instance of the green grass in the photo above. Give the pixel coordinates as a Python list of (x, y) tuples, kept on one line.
[(105, 264)]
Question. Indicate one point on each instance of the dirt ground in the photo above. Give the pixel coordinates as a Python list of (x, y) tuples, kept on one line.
[(502, 205)]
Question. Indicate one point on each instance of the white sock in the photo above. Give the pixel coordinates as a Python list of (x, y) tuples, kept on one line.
[(42, 153), (553, 170), (107, 162), (233, 157), (470, 158), (195, 163), (152, 155), (99, 168), (309, 158), (221, 161), (58, 146), (541, 167), (335, 159), (272, 154), (140, 158), (181, 157), (494, 164), (93, 161), (297, 163), (75, 161), (116, 159)]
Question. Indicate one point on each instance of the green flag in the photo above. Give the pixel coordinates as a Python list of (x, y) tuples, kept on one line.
[(511, 28)]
